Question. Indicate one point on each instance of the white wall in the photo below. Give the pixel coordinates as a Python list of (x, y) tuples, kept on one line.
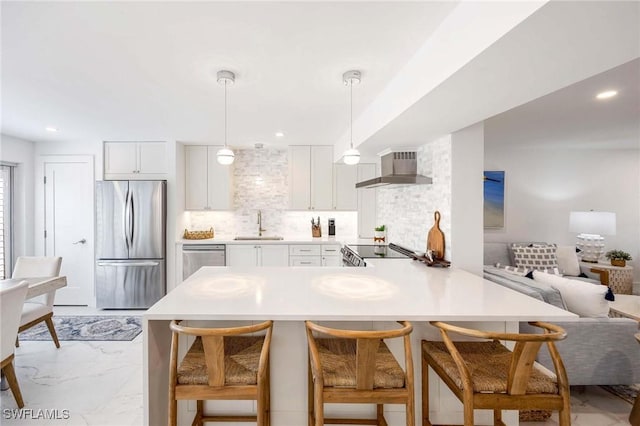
[(542, 185), (467, 147), (21, 152)]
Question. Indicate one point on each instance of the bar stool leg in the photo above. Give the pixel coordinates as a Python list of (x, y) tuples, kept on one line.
[(318, 404), (425, 393)]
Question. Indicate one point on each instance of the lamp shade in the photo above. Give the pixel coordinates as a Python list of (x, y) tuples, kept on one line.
[(597, 223)]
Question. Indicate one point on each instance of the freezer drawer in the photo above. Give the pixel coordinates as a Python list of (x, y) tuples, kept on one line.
[(129, 284)]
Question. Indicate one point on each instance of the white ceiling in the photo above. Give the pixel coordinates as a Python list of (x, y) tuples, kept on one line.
[(558, 45), (573, 118), (146, 70)]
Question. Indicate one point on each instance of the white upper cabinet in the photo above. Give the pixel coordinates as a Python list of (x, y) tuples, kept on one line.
[(345, 196), (207, 183), (311, 177), (366, 202), (135, 160)]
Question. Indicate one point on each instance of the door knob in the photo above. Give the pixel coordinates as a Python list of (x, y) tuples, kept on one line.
[(82, 241)]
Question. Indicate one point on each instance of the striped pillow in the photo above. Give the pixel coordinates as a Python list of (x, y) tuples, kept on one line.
[(513, 269), (538, 257)]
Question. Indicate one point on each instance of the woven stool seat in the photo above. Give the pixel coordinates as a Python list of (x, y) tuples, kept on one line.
[(223, 363), (484, 374), (241, 357), (488, 364), (357, 367), (338, 361)]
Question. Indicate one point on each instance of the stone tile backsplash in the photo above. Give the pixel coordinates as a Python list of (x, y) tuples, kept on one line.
[(408, 210), (260, 181)]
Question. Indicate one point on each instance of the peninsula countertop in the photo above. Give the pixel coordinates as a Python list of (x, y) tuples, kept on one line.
[(400, 289)]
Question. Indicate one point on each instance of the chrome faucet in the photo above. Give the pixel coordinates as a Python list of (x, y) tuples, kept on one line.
[(260, 223)]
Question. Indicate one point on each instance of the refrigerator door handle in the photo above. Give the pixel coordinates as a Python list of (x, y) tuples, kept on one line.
[(128, 217), (128, 264)]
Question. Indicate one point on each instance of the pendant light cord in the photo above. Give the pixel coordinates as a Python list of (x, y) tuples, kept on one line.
[(351, 103), (225, 113)]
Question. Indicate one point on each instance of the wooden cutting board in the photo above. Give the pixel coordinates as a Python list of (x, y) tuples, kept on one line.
[(435, 238)]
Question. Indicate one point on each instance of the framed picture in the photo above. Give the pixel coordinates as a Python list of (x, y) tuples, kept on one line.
[(494, 199)]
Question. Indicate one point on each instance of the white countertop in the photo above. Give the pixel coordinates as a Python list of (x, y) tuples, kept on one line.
[(286, 240), (393, 290)]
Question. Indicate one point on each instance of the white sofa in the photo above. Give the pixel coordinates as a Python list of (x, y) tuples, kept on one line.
[(597, 351)]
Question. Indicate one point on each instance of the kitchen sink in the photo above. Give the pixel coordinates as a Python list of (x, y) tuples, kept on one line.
[(256, 237)]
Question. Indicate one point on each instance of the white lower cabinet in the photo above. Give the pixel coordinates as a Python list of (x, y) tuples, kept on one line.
[(315, 255), (257, 255)]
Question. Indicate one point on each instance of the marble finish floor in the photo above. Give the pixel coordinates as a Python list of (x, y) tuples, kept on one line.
[(100, 384)]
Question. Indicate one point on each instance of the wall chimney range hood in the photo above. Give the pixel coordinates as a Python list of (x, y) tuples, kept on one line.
[(398, 168)]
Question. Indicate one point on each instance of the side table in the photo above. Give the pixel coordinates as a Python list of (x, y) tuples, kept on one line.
[(619, 279)]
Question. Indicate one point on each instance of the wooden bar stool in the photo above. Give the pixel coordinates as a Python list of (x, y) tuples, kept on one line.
[(357, 367), (222, 364), (487, 375)]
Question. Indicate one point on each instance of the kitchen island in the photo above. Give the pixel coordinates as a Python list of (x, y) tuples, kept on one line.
[(371, 297)]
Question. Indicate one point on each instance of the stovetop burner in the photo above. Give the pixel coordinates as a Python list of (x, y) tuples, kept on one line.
[(354, 255)]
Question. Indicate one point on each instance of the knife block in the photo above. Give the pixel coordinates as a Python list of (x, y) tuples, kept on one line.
[(316, 231)]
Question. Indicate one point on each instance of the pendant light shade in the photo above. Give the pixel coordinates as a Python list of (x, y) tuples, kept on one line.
[(352, 155), (225, 155)]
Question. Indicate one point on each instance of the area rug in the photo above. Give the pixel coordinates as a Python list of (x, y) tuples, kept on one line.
[(87, 328), (626, 392)]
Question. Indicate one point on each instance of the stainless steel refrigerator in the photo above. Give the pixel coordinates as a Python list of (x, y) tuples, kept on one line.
[(130, 243)]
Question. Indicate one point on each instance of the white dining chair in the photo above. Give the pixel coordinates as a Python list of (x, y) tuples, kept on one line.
[(11, 300), (38, 309)]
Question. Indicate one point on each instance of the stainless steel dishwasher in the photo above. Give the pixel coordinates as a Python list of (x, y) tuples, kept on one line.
[(195, 256)]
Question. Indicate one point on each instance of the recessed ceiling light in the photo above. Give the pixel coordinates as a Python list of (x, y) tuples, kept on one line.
[(279, 134), (607, 94), (51, 129)]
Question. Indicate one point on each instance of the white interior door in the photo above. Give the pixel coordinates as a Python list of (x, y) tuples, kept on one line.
[(68, 214)]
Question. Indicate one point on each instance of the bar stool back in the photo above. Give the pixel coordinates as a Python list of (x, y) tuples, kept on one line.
[(486, 375), (222, 364), (356, 366)]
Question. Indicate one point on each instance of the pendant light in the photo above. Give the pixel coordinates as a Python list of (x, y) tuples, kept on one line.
[(225, 155), (352, 155)]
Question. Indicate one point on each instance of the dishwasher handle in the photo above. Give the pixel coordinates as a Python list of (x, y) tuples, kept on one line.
[(197, 248)]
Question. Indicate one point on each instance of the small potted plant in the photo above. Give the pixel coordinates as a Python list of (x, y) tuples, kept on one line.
[(618, 257), (380, 234)]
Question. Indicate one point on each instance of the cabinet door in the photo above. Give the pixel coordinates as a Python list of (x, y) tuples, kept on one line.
[(195, 177), (242, 255), (120, 158), (345, 196), (366, 202), (152, 158), (331, 261), (322, 177), (299, 177), (274, 255), (219, 191), (305, 261)]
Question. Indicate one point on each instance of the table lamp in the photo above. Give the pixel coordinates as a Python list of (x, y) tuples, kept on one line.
[(591, 226)]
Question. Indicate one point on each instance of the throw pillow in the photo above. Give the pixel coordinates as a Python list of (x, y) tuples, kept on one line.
[(537, 257), (513, 269), (584, 299), (568, 261), (511, 246)]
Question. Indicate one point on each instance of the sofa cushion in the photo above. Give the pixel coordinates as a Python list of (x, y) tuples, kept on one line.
[(537, 257), (568, 260), (532, 288), (584, 299)]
